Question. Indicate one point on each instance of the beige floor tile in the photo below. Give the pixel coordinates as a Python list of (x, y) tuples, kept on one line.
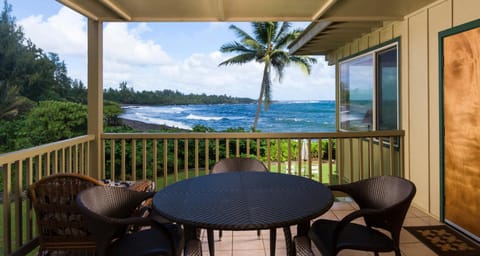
[(329, 216), (414, 222), (352, 253), (416, 249), (406, 237), (431, 221), (343, 206), (247, 243), (249, 253)]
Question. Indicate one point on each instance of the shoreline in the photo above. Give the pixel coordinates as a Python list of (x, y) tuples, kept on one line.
[(145, 127)]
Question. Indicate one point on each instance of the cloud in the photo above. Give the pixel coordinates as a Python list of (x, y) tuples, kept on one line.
[(126, 45), (63, 33), (129, 55)]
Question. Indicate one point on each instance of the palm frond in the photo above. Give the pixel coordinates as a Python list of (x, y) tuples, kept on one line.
[(304, 62), (241, 33), (284, 28), (235, 47), (239, 59)]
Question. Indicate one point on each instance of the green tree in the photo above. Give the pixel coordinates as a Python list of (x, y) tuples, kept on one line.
[(11, 102), (268, 45), (53, 121)]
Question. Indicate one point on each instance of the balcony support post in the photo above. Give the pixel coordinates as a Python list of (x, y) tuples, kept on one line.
[(95, 95)]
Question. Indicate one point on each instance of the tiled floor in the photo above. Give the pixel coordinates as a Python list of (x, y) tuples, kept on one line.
[(247, 243)]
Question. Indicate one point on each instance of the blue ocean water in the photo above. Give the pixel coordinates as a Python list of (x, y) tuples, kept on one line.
[(283, 116)]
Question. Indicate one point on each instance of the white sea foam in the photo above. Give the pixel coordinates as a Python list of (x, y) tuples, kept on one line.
[(167, 123), (205, 118), (152, 120)]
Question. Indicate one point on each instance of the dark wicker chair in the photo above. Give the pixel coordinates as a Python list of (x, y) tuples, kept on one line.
[(238, 164), (61, 227), (109, 214), (383, 202)]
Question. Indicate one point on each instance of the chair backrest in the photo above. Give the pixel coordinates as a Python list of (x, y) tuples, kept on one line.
[(105, 209), (390, 193), (60, 224), (238, 164)]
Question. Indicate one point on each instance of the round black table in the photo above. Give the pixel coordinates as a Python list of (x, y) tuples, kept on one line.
[(244, 201)]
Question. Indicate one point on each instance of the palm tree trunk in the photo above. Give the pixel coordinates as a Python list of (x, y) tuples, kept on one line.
[(265, 79)]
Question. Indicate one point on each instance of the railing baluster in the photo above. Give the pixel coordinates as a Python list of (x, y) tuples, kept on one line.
[(123, 160), (197, 142), (330, 166), (18, 203), (185, 157), (7, 225), (371, 154), (268, 155), (380, 152), (217, 150), (175, 159), (154, 160), (134, 160), (227, 148), (392, 155), (76, 165), (279, 156), (299, 156), (289, 153), (112, 159), (360, 153), (29, 231), (309, 153), (165, 161), (207, 170), (144, 159), (237, 147), (320, 160)]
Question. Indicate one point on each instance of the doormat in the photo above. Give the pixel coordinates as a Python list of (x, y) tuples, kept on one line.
[(445, 241)]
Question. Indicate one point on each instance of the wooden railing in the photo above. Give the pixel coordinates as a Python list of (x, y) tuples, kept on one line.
[(169, 157), (22, 168)]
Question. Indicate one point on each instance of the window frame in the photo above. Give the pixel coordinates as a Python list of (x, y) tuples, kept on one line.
[(373, 52)]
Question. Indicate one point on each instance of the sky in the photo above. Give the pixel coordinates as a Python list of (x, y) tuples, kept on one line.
[(181, 56)]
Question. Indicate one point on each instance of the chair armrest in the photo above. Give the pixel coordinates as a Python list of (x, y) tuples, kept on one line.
[(345, 188), (352, 216)]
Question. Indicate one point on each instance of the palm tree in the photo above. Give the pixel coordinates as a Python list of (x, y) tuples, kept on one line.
[(11, 102), (268, 46)]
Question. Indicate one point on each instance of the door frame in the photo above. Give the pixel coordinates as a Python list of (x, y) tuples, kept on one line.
[(441, 36)]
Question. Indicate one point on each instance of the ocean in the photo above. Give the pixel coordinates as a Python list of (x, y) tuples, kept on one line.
[(282, 116)]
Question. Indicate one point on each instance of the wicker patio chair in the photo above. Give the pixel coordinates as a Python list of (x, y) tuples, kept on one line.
[(61, 227), (109, 214), (383, 203), (238, 164)]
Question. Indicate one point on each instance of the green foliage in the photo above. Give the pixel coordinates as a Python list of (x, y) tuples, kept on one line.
[(53, 121), (111, 111), (126, 95)]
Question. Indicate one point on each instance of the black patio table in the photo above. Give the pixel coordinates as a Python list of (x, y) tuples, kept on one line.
[(245, 201)]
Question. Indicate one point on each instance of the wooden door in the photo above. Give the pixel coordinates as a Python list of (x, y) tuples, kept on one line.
[(461, 99)]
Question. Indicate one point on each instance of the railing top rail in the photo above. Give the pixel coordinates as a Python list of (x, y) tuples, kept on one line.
[(29, 152), (253, 135)]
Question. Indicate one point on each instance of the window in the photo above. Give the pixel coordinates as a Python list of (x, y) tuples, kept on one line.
[(369, 91)]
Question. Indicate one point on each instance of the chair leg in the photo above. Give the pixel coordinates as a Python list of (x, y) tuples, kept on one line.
[(397, 252), (220, 235), (258, 233)]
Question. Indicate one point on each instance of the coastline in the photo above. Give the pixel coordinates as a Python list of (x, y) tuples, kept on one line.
[(146, 127)]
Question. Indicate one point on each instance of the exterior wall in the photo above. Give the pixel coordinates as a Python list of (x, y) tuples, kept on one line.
[(419, 85)]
